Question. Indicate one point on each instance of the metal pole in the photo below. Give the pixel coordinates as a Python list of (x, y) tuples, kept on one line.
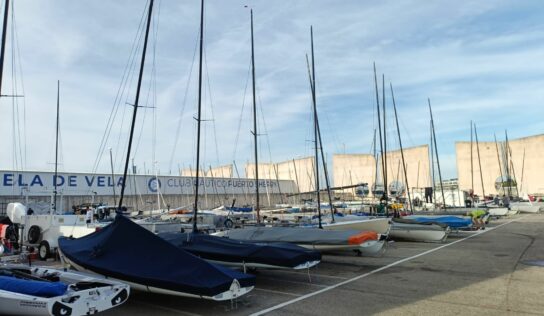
[(401, 150), (479, 160), (4, 33), (257, 207), (199, 121), (136, 102), (436, 150), (113, 178)]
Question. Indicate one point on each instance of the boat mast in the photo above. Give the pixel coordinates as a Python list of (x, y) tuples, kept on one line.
[(54, 209), (3, 48), (479, 160), (320, 146), (506, 161), (316, 140), (401, 150), (500, 167), (113, 179), (380, 129), (436, 150), (509, 150), (432, 164), (385, 186), (471, 166), (522, 170), (136, 101), (198, 120), (257, 207)]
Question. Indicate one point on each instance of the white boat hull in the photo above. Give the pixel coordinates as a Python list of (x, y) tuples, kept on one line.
[(90, 301), (525, 207), (379, 225), (418, 234), (498, 211)]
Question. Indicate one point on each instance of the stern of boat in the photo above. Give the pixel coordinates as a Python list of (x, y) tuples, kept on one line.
[(235, 291)]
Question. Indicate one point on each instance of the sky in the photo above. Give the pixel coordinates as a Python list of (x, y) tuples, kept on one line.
[(475, 60)]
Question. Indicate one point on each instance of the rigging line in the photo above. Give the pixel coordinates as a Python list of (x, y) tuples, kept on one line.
[(120, 92), (211, 107), (241, 112), (182, 110), (124, 107), (18, 60)]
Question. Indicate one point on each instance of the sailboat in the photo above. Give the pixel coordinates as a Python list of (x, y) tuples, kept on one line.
[(239, 253), (309, 237), (28, 290), (116, 250)]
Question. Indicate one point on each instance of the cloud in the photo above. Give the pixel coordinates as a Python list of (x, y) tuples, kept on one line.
[(477, 61)]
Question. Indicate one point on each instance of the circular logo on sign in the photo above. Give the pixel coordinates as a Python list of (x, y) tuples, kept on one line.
[(154, 184)]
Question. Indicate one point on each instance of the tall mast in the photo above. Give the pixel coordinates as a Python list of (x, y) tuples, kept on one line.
[(385, 186), (316, 127), (479, 160), (113, 178), (522, 170), (509, 164), (324, 167), (3, 48), (401, 150), (198, 120), (257, 207), (316, 118), (436, 151), (136, 102), (500, 166), (56, 151), (432, 163), (471, 164), (380, 128)]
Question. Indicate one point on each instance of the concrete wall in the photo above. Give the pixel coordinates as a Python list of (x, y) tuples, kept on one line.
[(356, 168), (531, 169), (301, 171)]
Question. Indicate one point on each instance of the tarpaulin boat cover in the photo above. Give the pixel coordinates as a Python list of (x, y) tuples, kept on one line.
[(451, 221), (126, 251), (239, 209), (301, 235), (229, 250), (31, 287)]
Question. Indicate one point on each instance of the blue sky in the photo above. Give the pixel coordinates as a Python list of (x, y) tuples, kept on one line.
[(475, 60)]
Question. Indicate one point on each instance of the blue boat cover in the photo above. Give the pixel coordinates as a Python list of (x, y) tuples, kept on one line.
[(240, 209), (236, 251), (30, 287), (451, 221), (126, 251)]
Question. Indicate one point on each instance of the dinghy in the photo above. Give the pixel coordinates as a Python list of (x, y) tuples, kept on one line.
[(362, 223), (454, 222), (311, 238), (42, 291), (128, 252), (525, 207), (244, 254), (411, 230), (497, 211)]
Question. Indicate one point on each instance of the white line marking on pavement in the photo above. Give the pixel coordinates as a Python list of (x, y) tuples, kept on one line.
[(298, 299)]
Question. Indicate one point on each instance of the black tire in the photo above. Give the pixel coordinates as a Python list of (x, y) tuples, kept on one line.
[(228, 223), (34, 234), (44, 251)]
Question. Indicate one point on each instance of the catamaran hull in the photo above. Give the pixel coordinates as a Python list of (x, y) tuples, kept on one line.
[(253, 265), (379, 225), (235, 290), (89, 301)]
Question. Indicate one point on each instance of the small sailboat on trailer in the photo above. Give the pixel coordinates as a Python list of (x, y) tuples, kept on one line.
[(116, 251), (43, 291)]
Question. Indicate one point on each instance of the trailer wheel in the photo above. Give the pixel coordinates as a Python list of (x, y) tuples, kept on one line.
[(44, 251), (34, 234), (228, 223)]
